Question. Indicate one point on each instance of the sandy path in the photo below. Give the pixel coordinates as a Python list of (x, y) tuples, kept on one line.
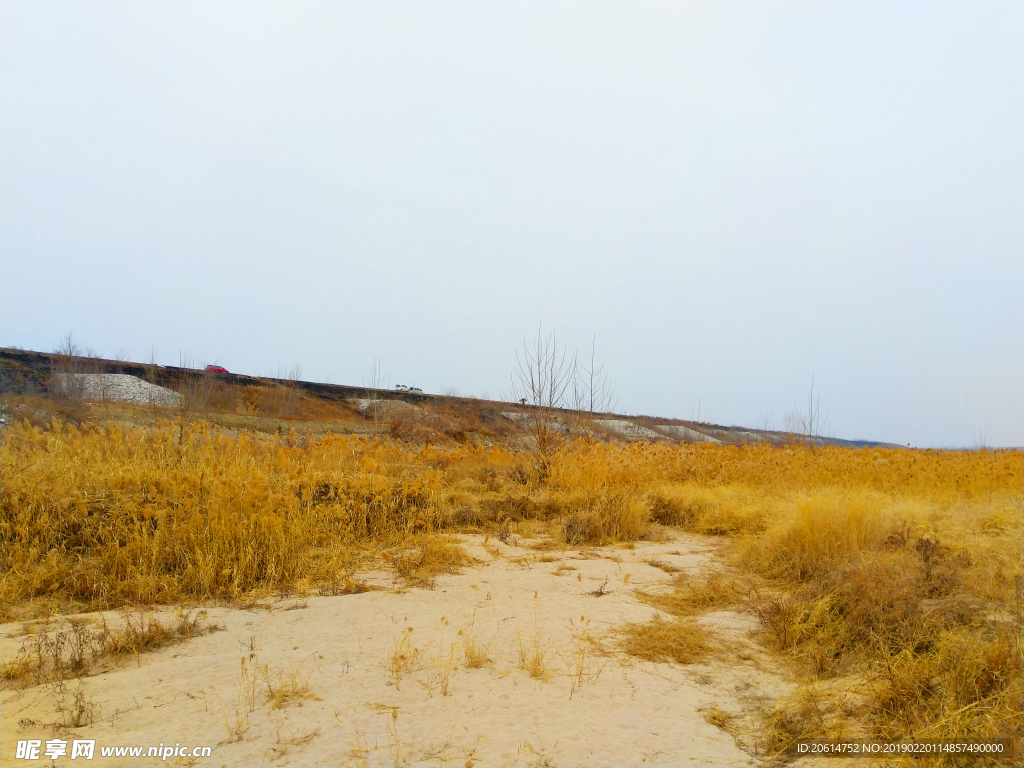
[(633, 713)]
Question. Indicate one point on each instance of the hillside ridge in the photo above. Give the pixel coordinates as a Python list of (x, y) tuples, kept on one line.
[(27, 371)]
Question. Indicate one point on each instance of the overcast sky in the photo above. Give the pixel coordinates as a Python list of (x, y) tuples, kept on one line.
[(732, 198)]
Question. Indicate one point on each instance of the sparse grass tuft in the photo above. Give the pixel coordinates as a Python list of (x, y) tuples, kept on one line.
[(431, 556), (580, 663), (660, 564), (695, 594), (681, 640), (77, 651), (533, 654), (475, 652), (237, 717), (141, 631), (77, 711), (800, 717), (718, 717), (404, 658), (288, 685)]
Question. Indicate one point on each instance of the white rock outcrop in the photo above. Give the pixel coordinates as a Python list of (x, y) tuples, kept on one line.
[(686, 434), (628, 428), (118, 387)]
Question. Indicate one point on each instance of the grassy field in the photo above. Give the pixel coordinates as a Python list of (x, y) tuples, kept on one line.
[(890, 581)]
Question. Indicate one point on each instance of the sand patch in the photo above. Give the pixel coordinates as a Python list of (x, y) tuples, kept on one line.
[(512, 662)]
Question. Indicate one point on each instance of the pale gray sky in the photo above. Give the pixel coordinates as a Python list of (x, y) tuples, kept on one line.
[(732, 197)]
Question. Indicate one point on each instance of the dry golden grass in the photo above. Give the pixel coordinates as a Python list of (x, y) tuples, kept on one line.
[(431, 556), (716, 716), (714, 510), (533, 656), (655, 562), (580, 663), (404, 658), (289, 684), (695, 594), (681, 640), (601, 518), (864, 584), (803, 716), (901, 569), (79, 650), (103, 517), (475, 651)]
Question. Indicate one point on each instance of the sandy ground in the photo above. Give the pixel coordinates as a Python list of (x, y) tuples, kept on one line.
[(357, 711)]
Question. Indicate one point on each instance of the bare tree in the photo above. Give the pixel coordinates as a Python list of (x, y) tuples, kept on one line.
[(591, 390), (194, 391), (152, 376), (542, 379), (809, 424), (121, 356), (68, 347), (293, 400), (699, 418), (284, 400), (375, 403), (795, 423), (66, 384)]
